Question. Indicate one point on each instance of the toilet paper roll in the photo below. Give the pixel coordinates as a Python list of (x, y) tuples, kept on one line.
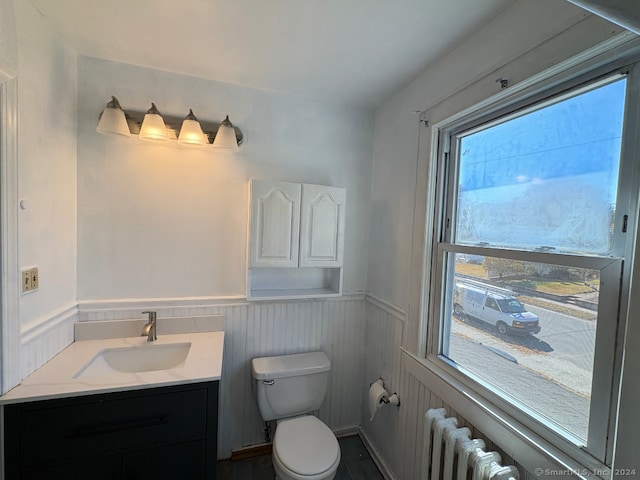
[(377, 396)]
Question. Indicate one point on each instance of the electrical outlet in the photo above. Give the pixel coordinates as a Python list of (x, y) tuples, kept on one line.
[(35, 280), (30, 280)]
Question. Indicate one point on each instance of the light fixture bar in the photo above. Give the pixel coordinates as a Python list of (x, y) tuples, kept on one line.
[(173, 124)]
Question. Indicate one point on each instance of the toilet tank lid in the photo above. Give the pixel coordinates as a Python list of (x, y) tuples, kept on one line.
[(265, 368)]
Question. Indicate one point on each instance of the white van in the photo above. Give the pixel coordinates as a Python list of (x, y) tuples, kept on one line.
[(493, 305)]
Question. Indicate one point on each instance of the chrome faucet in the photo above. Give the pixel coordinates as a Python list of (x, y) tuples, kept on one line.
[(150, 328)]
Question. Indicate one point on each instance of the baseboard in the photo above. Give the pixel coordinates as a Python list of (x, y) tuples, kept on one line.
[(375, 456), (265, 448), (347, 432), (252, 451)]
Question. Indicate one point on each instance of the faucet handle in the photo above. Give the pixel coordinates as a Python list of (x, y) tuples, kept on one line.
[(152, 315)]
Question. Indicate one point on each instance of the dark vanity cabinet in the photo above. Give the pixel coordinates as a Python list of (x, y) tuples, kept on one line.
[(151, 433)]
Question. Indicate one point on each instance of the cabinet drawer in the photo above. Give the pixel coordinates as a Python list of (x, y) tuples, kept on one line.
[(86, 425)]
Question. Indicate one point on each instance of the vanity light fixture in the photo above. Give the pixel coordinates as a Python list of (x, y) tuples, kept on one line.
[(191, 131), (226, 136), (151, 126), (113, 120)]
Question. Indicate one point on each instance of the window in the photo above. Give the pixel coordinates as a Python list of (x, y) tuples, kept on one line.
[(531, 252)]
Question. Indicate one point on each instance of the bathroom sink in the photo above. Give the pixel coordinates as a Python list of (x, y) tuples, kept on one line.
[(147, 357), (117, 364)]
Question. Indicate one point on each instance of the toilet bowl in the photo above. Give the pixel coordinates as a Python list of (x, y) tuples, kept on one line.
[(304, 448), (289, 389)]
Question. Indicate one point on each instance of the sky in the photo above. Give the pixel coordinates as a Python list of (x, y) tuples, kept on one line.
[(544, 172)]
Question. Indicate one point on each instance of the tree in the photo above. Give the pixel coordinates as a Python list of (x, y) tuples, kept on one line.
[(502, 267)]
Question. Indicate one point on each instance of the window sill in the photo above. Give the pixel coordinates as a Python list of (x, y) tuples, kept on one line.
[(531, 451)]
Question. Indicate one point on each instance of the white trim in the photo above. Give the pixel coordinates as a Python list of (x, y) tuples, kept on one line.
[(9, 295), (40, 327), (390, 308), (620, 12), (160, 302), (375, 456), (104, 305)]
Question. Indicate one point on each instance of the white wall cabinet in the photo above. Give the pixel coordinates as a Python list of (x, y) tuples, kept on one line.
[(296, 240), (322, 226), (275, 224)]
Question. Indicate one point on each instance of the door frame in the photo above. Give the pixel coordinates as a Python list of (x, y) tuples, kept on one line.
[(9, 280)]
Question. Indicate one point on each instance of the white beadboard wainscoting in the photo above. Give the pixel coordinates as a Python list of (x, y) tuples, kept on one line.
[(361, 334), (395, 434), (382, 358), (254, 329), (44, 338)]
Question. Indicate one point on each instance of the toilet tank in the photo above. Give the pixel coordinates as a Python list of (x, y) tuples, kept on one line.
[(290, 385)]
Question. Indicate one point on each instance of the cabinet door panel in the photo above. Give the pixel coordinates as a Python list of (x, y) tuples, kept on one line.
[(275, 224), (322, 226)]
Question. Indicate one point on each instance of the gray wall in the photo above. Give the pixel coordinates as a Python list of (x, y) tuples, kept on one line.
[(160, 221)]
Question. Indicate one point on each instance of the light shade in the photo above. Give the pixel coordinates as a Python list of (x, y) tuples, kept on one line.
[(113, 120), (226, 136), (191, 131), (153, 128)]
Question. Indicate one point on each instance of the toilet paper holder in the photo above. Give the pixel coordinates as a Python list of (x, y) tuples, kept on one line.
[(392, 399)]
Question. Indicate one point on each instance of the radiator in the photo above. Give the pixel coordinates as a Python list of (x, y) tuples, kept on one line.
[(450, 452)]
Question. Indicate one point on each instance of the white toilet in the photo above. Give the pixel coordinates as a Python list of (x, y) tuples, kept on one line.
[(289, 388)]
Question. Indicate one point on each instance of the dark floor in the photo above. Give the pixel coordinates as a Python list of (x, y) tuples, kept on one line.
[(355, 464)]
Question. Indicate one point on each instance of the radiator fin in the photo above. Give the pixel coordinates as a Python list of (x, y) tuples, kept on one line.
[(451, 454)]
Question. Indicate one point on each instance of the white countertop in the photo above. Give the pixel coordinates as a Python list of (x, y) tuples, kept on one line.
[(55, 378)]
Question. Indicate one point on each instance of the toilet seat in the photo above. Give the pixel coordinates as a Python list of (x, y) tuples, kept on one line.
[(306, 449)]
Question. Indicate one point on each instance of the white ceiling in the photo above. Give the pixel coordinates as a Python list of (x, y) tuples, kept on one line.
[(353, 51)]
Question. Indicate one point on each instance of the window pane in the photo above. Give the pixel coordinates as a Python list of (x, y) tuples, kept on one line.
[(544, 179), (528, 329)]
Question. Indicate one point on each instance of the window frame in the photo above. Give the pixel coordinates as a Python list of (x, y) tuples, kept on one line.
[(602, 431)]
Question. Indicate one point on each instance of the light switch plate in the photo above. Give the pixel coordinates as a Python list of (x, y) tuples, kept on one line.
[(30, 280)]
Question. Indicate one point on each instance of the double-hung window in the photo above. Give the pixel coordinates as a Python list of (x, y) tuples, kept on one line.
[(536, 206)]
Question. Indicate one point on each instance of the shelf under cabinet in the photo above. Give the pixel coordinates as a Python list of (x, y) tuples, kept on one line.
[(281, 283)]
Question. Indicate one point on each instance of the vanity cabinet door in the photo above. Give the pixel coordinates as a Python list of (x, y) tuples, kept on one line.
[(274, 224), (156, 433), (98, 424), (322, 226)]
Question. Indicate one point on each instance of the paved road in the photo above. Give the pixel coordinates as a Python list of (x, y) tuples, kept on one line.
[(550, 372), (572, 339)]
